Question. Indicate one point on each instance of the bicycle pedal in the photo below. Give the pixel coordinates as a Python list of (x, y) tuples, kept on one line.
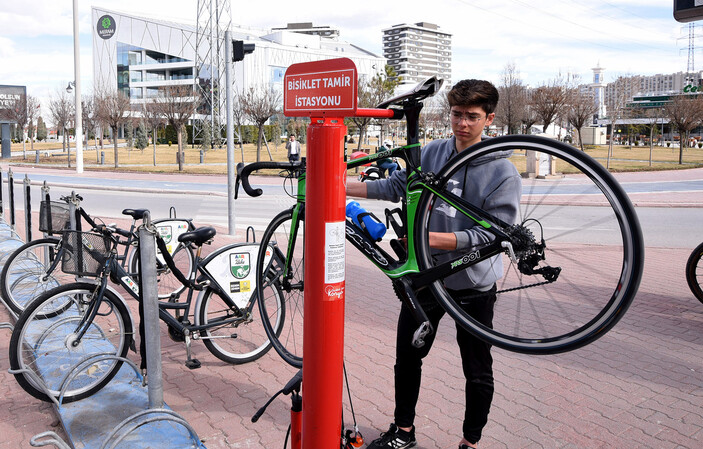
[(193, 364)]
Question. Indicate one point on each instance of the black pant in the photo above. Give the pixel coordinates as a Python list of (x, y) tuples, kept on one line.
[(476, 361)]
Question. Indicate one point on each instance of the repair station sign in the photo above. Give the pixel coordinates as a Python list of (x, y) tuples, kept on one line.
[(320, 88)]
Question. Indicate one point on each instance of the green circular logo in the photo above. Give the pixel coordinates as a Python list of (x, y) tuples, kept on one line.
[(106, 27)]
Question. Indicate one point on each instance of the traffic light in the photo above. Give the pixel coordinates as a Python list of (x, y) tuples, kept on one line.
[(688, 10), (240, 49)]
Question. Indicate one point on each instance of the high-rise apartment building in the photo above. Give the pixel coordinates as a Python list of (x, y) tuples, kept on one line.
[(418, 51)]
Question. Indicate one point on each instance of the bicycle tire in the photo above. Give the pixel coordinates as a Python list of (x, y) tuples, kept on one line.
[(238, 343), (41, 342), (284, 331), (167, 283), (591, 231), (24, 276), (694, 271)]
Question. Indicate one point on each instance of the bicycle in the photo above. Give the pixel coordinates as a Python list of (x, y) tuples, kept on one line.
[(33, 268), (570, 267), (65, 325), (694, 271)]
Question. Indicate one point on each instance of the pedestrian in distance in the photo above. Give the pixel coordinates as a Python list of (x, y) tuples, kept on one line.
[(293, 147), (492, 184)]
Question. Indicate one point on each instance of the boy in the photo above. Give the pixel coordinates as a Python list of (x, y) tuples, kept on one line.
[(495, 186)]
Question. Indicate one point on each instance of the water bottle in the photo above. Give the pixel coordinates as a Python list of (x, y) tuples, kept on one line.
[(365, 220)]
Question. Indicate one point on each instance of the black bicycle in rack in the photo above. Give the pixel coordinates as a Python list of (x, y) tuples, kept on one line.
[(67, 324), (694, 272)]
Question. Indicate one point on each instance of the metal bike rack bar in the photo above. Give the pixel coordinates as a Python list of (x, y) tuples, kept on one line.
[(162, 415), (89, 360), (51, 438), (11, 194), (27, 208)]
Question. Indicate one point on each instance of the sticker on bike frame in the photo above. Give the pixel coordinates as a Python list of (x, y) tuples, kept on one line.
[(130, 283), (240, 265), (334, 252), (222, 268)]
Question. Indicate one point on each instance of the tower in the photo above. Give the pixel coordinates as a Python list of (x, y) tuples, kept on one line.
[(214, 18), (598, 86)]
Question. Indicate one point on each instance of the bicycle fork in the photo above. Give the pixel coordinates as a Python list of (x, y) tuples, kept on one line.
[(406, 295)]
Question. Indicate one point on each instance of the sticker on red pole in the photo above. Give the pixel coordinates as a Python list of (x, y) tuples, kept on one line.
[(318, 88)]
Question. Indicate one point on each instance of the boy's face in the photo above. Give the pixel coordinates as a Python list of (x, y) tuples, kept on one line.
[(467, 124)]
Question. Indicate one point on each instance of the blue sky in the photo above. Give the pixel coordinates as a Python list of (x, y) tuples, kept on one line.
[(542, 38)]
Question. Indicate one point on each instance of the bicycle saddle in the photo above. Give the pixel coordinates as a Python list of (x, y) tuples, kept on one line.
[(421, 91), (137, 214), (199, 236)]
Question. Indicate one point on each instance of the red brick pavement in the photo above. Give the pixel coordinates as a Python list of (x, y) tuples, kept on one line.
[(639, 386)]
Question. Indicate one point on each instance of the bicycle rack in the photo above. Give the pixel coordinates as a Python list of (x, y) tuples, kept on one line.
[(53, 438), (88, 360), (253, 235), (166, 415)]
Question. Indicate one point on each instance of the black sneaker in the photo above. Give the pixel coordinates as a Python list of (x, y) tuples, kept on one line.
[(395, 438)]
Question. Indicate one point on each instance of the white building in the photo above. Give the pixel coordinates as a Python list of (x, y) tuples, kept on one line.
[(138, 55), (418, 51)]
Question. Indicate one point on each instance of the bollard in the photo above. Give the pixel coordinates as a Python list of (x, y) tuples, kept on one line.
[(11, 194), (27, 208), (102, 158), (202, 156), (149, 293), (36, 157)]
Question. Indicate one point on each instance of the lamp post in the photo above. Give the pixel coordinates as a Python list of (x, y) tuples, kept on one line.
[(77, 85)]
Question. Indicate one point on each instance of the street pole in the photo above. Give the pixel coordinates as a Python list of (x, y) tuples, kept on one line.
[(230, 133), (77, 85)]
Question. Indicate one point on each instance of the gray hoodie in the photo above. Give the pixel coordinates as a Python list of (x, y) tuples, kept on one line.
[(490, 182)]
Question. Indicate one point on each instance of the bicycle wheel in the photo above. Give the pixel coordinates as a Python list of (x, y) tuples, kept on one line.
[(694, 272), (241, 341), (284, 237), (30, 271), (42, 341), (167, 283), (590, 231)]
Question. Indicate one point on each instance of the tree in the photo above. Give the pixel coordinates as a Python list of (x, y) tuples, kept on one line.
[(41, 129), (18, 114), (616, 105), (580, 109), (62, 113), (113, 109), (550, 99), (142, 140), (153, 118), (90, 122), (206, 133), (685, 112), (176, 105), (259, 103), (513, 99)]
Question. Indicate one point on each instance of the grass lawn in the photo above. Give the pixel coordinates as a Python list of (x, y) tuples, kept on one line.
[(625, 158)]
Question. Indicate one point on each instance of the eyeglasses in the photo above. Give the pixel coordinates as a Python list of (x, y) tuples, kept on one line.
[(471, 119)]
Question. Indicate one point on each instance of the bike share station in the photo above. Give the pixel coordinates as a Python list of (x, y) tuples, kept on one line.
[(128, 412)]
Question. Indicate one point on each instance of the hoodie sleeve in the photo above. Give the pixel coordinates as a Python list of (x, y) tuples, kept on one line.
[(389, 189)]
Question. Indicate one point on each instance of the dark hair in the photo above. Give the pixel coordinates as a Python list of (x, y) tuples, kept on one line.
[(474, 93)]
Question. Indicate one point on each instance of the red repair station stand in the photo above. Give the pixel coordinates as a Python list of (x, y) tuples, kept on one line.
[(325, 91)]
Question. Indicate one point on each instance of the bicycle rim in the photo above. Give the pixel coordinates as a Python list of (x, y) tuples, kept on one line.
[(241, 341), (591, 233), (694, 272), (41, 342), (24, 275), (285, 272)]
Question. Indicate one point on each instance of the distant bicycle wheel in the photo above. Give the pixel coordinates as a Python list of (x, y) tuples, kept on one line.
[(694, 272)]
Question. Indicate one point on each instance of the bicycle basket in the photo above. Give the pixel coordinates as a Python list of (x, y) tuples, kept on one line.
[(85, 253), (60, 216)]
